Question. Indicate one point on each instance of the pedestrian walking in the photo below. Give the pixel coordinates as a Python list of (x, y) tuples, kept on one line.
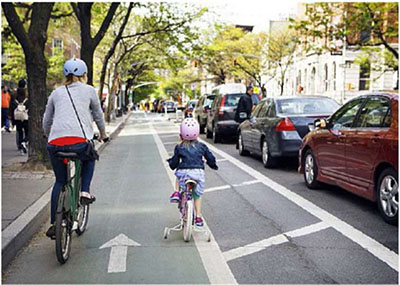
[(5, 105), (19, 116), (245, 106), (68, 124), (188, 162)]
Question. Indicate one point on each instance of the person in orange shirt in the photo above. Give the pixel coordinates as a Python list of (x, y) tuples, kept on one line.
[(5, 105)]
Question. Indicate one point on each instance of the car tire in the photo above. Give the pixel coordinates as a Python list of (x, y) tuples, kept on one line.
[(267, 160), (241, 147), (201, 126), (215, 136), (208, 134), (387, 195), (310, 170)]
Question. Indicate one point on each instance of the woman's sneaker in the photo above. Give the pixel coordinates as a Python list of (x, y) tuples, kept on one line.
[(198, 221), (87, 198), (175, 198)]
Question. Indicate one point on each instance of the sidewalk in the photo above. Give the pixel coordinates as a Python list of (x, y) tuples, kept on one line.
[(26, 195)]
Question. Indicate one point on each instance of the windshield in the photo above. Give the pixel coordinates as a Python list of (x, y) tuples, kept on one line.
[(312, 106)]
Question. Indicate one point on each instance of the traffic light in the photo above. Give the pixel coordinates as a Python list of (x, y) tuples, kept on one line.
[(195, 62)]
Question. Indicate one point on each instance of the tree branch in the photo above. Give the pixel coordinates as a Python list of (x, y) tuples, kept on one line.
[(106, 22), (16, 25)]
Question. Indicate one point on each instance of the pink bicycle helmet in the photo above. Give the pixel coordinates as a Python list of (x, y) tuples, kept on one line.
[(190, 129)]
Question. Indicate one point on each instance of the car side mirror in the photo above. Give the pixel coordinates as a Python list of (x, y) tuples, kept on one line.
[(320, 123)]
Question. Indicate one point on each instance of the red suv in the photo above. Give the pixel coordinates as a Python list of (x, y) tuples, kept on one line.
[(357, 149)]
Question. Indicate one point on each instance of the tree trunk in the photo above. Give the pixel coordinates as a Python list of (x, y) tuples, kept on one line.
[(33, 44), (36, 69), (89, 43)]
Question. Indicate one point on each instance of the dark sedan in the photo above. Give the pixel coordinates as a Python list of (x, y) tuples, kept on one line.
[(277, 126)]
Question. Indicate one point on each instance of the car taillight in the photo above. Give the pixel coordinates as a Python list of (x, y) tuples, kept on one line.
[(221, 108), (285, 125)]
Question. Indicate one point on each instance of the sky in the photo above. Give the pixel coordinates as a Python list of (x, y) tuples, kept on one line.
[(255, 13)]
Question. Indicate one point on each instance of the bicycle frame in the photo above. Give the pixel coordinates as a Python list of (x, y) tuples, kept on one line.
[(72, 188)]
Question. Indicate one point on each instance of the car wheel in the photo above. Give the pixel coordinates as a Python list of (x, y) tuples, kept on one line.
[(215, 135), (208, 133), (310, 170), (267, 159), (242, 150), (388, 196)]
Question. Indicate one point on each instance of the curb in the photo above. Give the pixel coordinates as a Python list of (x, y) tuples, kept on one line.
[(21, 230)]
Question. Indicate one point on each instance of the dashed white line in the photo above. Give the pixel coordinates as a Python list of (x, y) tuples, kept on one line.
[(223, 187), (275, 240), (377, 249), (221, 160)]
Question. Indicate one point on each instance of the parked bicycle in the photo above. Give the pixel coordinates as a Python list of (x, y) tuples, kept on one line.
[(71, 214), (186, 208)]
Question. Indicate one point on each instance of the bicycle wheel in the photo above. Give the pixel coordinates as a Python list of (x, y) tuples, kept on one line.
[(83, 217), (63, 232), (188, 221)]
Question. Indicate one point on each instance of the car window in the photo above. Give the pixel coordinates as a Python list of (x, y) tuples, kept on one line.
[(373, 113), (231, 100), (387, 119), (209, 100), (271, 113), (344, 118), (256, 111), (312, 106)]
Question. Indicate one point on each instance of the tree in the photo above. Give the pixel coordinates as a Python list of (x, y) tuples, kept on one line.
[(361, 24), (83, 12), (33, 43), (280, 54)]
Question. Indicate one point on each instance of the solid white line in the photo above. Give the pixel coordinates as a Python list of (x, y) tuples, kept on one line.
[(275, 240), (217, 269), (377, 249)]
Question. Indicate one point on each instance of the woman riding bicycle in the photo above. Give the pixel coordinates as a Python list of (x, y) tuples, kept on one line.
[(67, 133)]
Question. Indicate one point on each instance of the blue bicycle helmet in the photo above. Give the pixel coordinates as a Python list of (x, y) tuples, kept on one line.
[(74, 66)]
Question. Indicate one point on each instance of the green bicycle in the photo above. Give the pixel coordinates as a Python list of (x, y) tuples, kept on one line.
[(71, 215)]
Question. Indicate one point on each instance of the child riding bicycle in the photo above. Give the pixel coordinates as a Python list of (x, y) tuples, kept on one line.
[(188, 162)]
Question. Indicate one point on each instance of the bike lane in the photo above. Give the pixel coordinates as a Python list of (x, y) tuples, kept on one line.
[(132, 189)]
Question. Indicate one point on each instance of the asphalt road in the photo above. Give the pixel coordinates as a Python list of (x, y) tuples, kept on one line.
[(267, 227)]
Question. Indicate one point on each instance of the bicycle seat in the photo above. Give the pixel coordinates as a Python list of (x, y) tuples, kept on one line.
[(190, 181), (70, 155)]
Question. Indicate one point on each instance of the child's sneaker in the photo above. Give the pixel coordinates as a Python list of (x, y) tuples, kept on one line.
[(175, 198), (198, 221)]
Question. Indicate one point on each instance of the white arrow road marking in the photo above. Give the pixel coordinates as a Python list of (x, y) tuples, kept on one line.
[(119, 252)]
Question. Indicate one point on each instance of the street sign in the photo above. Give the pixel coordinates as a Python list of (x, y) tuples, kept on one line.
[(119, 251)]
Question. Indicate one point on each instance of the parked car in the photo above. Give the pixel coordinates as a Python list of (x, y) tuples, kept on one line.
[(189, 107), (169, 106), (221, 117), (201, 110), (277, 126), (357, 149)]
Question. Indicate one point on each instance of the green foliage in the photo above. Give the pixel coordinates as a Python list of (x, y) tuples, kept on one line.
[(14, 69)]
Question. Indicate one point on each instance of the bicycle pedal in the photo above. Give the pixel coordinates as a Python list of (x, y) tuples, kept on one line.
[(75, 225)]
